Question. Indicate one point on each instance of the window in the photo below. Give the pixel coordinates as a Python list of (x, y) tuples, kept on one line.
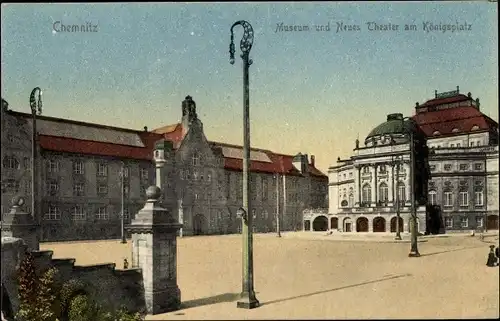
[(458, 145), (436, 133), (464, 198), (475, 127), (53, 213), (53, 166), (402, 192), (126, 191), (78, 214), (143, 191), (78, 189), (195, 175), (464, 167), (452, 145), (350, 174), (432, 168), (478, 166), (102, 213), (10, 162), (254, 213), (102, 169), (471, 144), (432, 197), (447, 167), (27, 188), (344, 176), (182, 174), (383, 169), (383, 192), (448, 199), (10, 138), (265, 214), (478, 198), (366, 170), (343, 203), (196, 196), (366, 195), (27, 163), (351, 196), (195, 159), (479, 221), (144, 174), (52, 187), (464, 221), (12, 185), (102, 189), (448, 221), (265, 190), (209, 177), (126, 214), (78, 167), (124, 171)]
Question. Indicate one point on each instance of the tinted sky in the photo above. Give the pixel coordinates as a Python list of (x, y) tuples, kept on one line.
[(312, 91)]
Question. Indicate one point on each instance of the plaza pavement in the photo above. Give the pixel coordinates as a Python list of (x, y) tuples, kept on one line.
[(314, 276)]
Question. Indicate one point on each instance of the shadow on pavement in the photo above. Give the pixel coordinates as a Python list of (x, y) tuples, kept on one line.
[(454, 250), (336, 289), (221, 298)]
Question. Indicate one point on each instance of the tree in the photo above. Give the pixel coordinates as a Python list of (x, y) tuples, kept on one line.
[(36, 295)]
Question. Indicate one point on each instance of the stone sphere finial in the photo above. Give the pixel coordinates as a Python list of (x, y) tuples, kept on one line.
[(153, 192), (17, 200)]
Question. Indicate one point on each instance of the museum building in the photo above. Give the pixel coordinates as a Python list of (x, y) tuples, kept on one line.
[(367, 189), (82, 166)]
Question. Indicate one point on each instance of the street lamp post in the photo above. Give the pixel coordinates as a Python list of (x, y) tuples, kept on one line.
[(248, 299), (36, 106), (278, 228), (122, 216), (413, 225)]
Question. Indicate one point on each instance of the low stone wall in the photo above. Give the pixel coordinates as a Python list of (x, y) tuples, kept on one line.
[(110, 287)]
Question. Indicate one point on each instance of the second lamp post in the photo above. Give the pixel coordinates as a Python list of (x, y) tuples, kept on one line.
[(247, 299)]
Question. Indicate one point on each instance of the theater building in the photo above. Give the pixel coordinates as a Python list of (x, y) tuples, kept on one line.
[(80, 166), (462, 193)]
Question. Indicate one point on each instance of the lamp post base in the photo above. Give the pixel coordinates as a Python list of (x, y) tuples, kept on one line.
[(123, 241), (248, 301), (398, 237), (414, 254)]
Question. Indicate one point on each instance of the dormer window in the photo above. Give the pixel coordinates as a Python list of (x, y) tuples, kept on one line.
[(455, 130), (475, 127), (436, 133)]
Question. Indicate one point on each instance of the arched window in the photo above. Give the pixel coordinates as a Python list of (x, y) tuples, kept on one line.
[(432, 197), (366, 195), (383, 192), (10, 162), (402, 192)]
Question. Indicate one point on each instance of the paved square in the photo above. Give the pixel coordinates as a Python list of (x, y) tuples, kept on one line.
[(307, 278)]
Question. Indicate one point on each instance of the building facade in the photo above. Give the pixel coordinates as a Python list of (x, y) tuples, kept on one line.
[(463, 190), (80, 168)]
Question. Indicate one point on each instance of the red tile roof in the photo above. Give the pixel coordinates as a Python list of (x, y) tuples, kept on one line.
[(444, 121), (279, 163)]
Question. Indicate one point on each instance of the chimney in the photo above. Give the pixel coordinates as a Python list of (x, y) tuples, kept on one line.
[(313, 160), (145, 128)]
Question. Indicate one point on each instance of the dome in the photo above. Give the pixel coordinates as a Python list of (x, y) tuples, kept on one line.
[(393, 125)]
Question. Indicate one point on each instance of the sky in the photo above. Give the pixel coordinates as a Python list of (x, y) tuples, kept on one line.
[(311, 91)]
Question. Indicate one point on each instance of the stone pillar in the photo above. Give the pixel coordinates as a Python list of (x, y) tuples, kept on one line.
[(18, 223), (374, 186), (154, 250)]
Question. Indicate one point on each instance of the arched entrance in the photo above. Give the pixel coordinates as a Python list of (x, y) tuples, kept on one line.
[(334, 223), (393, 224), (379, 224), (200, 225), (320, 223), (362, 224), (347, 224), (492, 223)]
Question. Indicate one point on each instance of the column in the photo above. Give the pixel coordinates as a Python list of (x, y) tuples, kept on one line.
[(357, 193), (374, 186), (408, 182), (391, 184)]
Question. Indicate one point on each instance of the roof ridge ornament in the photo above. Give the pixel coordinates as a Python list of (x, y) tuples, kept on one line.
[(447, 93)]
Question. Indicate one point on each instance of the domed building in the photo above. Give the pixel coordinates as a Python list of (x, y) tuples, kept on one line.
[(368, 189)]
